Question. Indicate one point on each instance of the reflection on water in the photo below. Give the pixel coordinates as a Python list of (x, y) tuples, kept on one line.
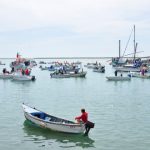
[(39, 136)]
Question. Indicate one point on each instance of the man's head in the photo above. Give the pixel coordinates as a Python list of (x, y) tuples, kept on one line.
[(83, 110)]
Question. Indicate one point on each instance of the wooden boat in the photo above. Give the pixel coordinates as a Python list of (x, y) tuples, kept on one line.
[(6, 76), (45, 120), (118, 78), (23, 78), (67, 75)]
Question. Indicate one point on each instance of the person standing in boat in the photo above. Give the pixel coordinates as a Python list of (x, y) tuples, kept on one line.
[(22, 71), (83, 118), (143, 72), (116, 73)]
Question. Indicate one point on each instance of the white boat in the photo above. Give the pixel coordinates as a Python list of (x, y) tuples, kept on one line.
[(68, 75), (118, 78), (19, 77), (45, 120), (6, 76)]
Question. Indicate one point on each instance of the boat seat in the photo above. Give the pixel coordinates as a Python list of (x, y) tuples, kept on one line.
[(48, 118), (40, 115)]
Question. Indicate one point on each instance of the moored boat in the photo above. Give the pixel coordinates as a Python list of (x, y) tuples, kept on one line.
[(45, 120), (68, 75), (118, 78), (100, 69)]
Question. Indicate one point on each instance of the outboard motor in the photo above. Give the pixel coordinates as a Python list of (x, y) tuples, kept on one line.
[(88, 126), (33, 78)]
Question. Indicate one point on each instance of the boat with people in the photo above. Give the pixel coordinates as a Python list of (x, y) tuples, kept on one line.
[(118, 78), (48, 121), (22, 63), (100, 69), (51, 68), (57, 74)]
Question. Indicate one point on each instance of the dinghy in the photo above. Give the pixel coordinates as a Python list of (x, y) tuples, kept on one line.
[(118, 78), (67, 75), (100, 69), (45, 120)]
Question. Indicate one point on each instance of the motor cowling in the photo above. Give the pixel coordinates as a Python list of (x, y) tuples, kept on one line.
[(33, 78)]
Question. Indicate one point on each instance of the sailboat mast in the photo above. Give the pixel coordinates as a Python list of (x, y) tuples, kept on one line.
[(134, 43), (119, 48)]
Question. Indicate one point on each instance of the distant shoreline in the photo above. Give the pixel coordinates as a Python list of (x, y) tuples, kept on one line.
[(75, 57)]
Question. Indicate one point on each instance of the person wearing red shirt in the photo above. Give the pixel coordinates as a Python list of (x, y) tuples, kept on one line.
[(27, 72), (84, 119)]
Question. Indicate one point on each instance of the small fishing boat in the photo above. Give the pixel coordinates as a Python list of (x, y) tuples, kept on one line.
[(6, 76), (19, 77), (68, 75), (118, 78), (100, 69), (45, 120)]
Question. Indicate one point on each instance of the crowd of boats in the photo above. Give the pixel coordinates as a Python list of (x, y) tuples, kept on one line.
[(21, 69)]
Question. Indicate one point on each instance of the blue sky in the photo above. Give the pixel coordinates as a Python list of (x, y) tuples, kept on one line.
[(72, 28)]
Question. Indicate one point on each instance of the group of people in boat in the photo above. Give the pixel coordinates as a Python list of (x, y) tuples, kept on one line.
[(23, 71)]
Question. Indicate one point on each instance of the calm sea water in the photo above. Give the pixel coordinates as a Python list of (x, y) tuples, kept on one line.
[(120, 110)]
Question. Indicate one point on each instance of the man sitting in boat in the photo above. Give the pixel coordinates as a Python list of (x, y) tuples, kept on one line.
[(84, 119)]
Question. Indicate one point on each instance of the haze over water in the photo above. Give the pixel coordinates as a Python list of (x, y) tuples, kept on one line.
[(120, 111)]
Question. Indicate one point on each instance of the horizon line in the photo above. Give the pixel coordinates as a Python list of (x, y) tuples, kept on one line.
[(105, 57)]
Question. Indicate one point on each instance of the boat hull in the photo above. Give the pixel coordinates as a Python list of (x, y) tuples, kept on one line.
[(56, 126), (23, 78), (117, 78), (68, 75)]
